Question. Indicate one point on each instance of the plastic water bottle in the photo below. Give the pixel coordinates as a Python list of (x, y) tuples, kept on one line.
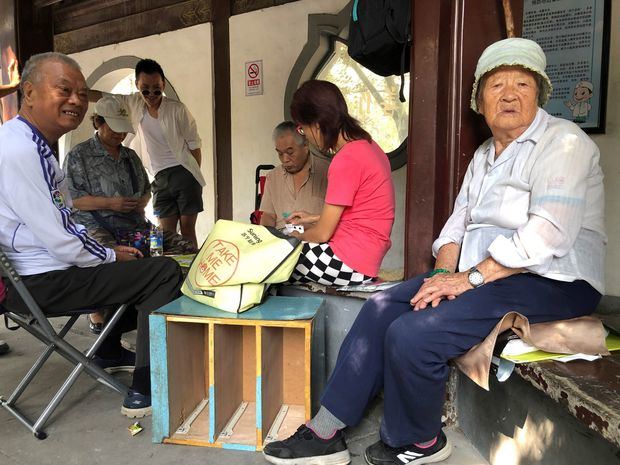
[(156, 241)]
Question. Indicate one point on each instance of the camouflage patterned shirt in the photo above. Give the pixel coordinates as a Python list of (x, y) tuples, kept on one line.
[(92, 171)]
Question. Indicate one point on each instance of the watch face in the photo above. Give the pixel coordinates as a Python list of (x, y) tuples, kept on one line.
[(475, 278)]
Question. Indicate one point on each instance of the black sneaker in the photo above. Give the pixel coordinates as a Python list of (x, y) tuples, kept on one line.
[(125, 362), (306, 448), (136, 405), (4, 347), (382, 454), (94, 328)]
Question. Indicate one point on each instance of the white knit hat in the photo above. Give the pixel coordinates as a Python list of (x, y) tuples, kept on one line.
[(513, 52)]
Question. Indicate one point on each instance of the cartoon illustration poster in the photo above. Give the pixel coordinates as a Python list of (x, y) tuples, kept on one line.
[(571, 34)]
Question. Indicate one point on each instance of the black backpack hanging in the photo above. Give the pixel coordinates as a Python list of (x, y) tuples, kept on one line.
[(380, 37)]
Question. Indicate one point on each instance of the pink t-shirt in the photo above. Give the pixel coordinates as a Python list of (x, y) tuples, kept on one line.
[(360, 179)]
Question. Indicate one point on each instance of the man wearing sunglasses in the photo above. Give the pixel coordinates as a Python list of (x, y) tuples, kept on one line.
[(169, 146)]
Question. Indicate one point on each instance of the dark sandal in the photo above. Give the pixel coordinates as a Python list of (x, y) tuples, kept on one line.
[(4, 347), (95, 328)]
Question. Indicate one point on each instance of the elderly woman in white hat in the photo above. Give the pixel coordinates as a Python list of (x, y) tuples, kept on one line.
[(526, 235)]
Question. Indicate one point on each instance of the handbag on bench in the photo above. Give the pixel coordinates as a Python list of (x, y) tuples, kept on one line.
[(237, 263)]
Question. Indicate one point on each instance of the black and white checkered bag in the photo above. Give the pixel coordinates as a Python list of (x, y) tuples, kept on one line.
[(318, 263)]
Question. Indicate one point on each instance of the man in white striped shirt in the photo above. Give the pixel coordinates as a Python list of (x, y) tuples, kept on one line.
[(62, 266)]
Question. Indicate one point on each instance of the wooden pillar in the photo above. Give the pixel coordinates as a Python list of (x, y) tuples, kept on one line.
[(34, 29), (221, 63), (429, 162), (448, 37)]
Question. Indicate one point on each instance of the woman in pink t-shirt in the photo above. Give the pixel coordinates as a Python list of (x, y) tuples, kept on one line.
[(346, 243)]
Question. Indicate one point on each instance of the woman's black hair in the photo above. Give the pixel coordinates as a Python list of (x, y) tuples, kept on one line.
[(322, 102)]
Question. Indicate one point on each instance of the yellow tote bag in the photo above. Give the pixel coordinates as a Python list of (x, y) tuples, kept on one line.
[(236, 264)]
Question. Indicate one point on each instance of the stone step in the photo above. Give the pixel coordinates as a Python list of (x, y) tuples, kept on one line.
[(463, 452), (367, 432)]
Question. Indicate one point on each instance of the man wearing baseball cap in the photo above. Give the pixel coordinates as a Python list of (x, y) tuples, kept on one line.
[(106, 180), (526, 235), (110, 190)]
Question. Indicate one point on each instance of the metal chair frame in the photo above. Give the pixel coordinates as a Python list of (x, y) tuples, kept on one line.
[(38, 325)]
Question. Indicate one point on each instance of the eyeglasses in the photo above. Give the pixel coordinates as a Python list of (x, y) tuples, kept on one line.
[(300, 131), (147, 92)]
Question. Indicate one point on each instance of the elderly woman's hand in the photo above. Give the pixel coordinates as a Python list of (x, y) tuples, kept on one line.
[(122, 204), (439, 287)]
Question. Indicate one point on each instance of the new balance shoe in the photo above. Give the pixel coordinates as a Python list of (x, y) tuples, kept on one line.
[(93, 326), (304, 447), (125, 362), (382, 454), (136, 405)]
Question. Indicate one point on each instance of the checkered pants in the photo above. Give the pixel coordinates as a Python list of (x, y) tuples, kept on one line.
[(319, 263)]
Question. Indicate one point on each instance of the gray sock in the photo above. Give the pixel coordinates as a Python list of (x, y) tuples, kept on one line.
[(325, 424)]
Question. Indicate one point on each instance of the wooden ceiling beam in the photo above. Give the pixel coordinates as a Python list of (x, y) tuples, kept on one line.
[(91, 12), (155, 21), (38, 4)]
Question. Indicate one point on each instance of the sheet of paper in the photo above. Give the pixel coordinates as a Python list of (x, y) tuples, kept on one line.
[(612, 341)]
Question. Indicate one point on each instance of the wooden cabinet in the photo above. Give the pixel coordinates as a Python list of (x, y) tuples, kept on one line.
[(231, 380)]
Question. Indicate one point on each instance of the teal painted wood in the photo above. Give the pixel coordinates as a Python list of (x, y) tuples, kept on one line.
[(211, 412), (159, 378), (278, 308), (238, 447)]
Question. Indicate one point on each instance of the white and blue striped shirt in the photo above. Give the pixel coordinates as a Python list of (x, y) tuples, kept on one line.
[(36, 230)]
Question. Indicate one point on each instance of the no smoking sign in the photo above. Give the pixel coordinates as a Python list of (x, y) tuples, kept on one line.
[(254, 77)]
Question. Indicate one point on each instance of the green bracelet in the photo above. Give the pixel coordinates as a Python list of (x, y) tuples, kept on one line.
[(438, 271)]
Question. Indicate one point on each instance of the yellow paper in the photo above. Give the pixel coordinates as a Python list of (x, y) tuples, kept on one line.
[(135, 428), (184, 260), (612, 342)]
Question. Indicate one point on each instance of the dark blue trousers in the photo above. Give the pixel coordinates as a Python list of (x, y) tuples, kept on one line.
[(406, 353)]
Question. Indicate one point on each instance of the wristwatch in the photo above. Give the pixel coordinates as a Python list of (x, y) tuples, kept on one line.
[(474, 277)]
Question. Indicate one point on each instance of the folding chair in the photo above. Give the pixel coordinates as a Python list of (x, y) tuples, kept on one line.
[(38, 325)]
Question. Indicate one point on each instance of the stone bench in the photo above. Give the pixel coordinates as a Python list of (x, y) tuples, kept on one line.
[(548, 412), (590, 391)]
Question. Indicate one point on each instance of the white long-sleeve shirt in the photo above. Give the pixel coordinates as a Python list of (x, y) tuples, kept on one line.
[(538, 206), (36, 230), (178, 128)]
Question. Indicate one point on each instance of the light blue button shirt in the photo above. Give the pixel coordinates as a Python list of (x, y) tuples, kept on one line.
[(538, 206)]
